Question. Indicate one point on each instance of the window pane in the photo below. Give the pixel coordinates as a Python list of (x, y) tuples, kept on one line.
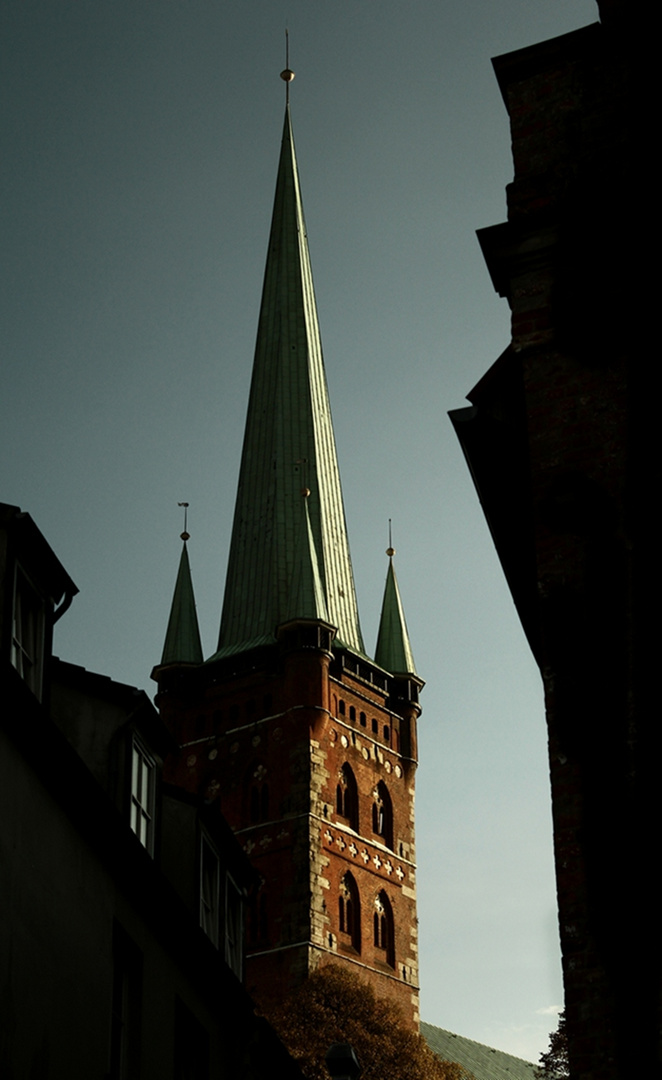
[(27, 632), (209, 891), (142, 795)]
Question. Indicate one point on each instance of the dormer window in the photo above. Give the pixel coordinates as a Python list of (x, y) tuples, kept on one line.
[(143, 783), (27, 646)]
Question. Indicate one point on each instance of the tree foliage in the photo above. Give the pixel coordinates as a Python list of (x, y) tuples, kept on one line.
[(554, 1064), (333, 1005)]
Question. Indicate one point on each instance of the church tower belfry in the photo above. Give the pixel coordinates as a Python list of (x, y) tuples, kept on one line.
[(308, 744)]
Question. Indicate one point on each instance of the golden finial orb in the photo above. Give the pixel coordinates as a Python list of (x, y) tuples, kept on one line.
[(390, 551), (287, 75), (185, 534)]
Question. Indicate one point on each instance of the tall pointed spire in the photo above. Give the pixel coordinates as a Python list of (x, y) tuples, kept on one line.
[(288, 445), (393, 650), (182, 643)]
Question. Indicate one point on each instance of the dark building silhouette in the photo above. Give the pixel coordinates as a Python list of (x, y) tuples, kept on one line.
[(122, 900), (560, 442)]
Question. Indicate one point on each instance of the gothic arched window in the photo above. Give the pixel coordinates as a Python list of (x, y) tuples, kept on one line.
[(349, 912), (383, 929), (257, 917), (347, 797), (382, 814), (258, 793)]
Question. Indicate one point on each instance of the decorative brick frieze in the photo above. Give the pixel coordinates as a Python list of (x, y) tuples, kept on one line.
[(273, 750)]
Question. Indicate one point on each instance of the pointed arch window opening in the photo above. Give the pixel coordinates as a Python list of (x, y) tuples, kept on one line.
[(259, 809), (258, 794), (382, 814), (383, 929), (258, 926), (349, 913), (347, 797)]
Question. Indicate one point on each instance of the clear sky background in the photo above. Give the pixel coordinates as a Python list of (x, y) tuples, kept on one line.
[(140, 145)]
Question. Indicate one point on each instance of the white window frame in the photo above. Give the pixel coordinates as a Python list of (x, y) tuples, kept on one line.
[(28, 631), (143, 794), (210, 896)]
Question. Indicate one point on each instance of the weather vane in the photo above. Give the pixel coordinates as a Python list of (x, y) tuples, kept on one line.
[(287, 74), (185, 534), (390, 551)]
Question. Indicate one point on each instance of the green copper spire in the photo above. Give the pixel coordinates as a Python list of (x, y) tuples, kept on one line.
[(307, 599), (182, 643), (393, 650), (288, 445)]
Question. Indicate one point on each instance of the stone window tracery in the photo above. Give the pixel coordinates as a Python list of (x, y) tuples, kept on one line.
[(347, 798), (349, 912), (383, 929), (382, 814)]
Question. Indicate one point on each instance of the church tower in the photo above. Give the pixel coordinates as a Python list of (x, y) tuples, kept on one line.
[(308, 744)]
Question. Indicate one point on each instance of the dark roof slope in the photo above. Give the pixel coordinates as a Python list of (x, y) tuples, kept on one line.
[(484, 1062)]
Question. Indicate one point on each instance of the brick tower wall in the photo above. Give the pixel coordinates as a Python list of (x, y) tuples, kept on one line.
[(270, 743)]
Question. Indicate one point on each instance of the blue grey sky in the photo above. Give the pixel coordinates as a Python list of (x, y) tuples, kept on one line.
[(140, 145)]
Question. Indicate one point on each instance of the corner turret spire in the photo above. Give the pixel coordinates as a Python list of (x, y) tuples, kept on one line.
[(288, 445), (393, 650), (307, 599), (182, 642)]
